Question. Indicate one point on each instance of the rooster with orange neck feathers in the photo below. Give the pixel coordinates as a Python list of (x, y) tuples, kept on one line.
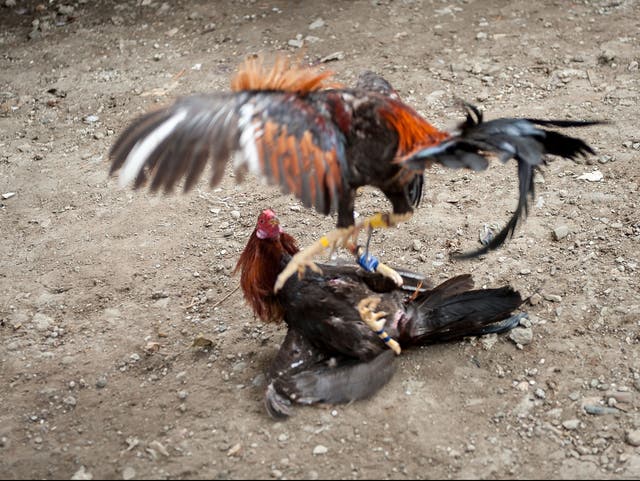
[(344, 324), (321, 142)]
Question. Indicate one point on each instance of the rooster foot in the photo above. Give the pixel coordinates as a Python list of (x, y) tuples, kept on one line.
[(304, 259), (367, 309)]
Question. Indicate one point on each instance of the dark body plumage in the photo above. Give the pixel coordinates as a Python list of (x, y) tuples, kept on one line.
[(330, 354)]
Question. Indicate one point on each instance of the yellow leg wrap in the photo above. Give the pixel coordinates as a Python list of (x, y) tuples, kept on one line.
[(383, 220)]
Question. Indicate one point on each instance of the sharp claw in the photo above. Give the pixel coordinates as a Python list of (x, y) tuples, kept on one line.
[(303, 259), (366, 308), (387, 271)]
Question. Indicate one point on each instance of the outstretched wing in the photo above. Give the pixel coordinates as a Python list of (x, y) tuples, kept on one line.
[(280, 136)]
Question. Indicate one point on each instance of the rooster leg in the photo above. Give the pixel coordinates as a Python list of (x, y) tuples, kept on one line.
[(304, 258), (379, 221), (382, 220), (375, 321)]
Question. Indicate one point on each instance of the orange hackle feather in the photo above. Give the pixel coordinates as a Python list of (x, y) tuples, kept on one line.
[(283, 76), (259, 264), (414, 132)]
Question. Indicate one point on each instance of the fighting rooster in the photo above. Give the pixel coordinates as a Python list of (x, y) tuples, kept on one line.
[(320, 141), (345, 323)]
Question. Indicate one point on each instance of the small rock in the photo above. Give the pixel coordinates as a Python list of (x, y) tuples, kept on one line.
[(332, 57), (552, 297), (297, 42), (571, 424), (539, 393), (276, 473), (417, 245), (128, 473), (70, 401), (235, 214), (319, 450), (82, 474), (101, 382), (10, 3), (560, 232), (535, 299), (318, 23), (488, 341), (481, 36), (90, 119), (521, 335), (595, 176), (42, 322), (67, 360), (234, 450), (633, 437), (259, 381), (182, 395), (66, 9), (158, 446)]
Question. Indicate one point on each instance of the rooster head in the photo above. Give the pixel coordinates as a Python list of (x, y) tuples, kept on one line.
[(268, 226)]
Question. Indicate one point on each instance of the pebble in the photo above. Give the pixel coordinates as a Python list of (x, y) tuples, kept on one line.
[(633, 437), (128, 473), (318, 23), (183, 395), (259, 381), (276, 473), (320, 450), (235, 214), (571, 424), (552, 297), (535, 299), (521, 335), (4, 442), (234, 450), (82, 474), (70, 401), (101, 382), (539, 393), (417, 245), (560, 232), (67, 360), (42, 322)]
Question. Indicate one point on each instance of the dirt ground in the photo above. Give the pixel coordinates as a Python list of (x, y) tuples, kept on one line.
[(91, 274)]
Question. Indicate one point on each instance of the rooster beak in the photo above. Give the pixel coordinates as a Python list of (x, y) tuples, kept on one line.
[(276, 223)]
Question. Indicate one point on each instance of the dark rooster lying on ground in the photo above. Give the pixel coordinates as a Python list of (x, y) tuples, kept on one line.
[(321, 142), (330, 353)]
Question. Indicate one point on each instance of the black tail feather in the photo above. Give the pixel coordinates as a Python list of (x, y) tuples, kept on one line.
[(444, 315), (507, 138)]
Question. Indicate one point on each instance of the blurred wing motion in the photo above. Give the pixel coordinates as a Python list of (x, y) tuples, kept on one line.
[(321, 142), (273, 135)]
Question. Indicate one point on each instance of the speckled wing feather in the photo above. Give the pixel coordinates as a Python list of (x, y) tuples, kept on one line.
[(280, 136)]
